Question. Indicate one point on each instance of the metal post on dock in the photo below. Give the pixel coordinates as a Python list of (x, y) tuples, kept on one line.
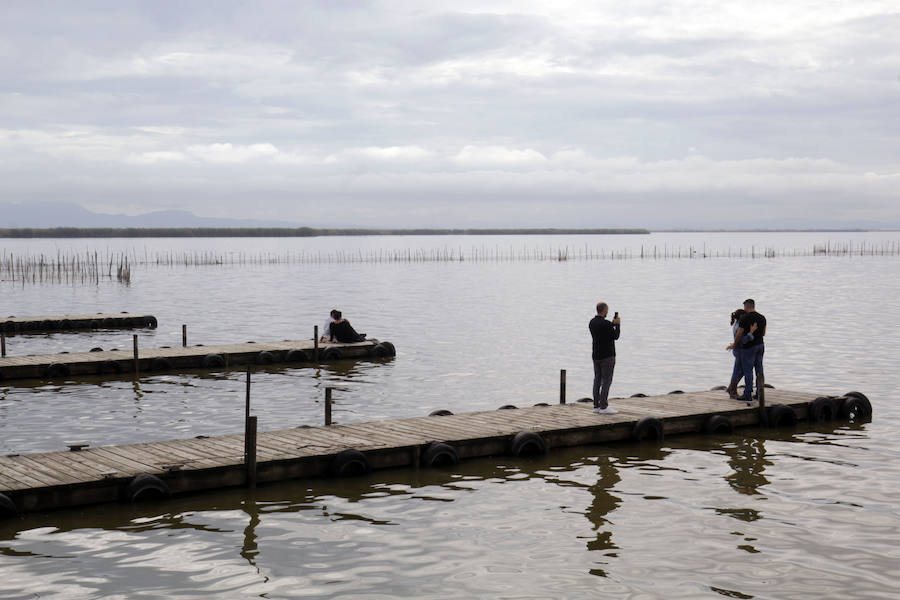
[(250, 452), (328, 406), (761, 392), (136, 370), (184, 336), (316, 342), (2, 344), (562, 386), (247, 398)]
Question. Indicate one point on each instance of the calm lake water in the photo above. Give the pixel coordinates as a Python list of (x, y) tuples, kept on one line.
[(761, 514)]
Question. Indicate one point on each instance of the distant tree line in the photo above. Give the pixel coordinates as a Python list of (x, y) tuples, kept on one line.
[(186, 232)]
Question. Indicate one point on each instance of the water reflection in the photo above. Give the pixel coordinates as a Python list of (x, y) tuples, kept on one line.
[(747, 458)]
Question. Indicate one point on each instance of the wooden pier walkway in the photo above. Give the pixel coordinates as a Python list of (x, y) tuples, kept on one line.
[(165, 359), (50, 480), (13, 325)]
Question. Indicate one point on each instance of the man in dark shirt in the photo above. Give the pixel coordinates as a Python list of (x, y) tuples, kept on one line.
[(604, 335), (752, 352)]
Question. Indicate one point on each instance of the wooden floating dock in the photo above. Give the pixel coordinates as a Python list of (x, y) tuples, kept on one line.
[(50, 480), (165, 359), (13, 325)]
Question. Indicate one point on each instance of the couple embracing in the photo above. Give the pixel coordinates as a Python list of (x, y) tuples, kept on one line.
[(749, 328)]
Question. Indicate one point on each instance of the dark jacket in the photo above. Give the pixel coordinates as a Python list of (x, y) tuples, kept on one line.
[(604, 335)]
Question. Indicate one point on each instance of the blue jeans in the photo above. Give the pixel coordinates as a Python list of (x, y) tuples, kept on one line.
[(751, 360)]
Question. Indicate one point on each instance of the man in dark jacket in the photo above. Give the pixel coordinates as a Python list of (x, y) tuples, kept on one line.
[(604, 335)]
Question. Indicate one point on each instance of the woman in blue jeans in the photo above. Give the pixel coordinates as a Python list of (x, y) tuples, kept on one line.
[(737, 372)]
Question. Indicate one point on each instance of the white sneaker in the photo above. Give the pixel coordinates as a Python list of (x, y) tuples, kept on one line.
[(609, 410)]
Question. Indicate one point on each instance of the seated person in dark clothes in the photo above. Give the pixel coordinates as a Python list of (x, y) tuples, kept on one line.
[(342, 331)]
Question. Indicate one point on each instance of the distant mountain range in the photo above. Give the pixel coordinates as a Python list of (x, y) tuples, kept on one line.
[(61, 214)]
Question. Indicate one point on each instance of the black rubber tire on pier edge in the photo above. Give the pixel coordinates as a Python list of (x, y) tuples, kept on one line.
[(822, 409), (160, 363), (10, 327), (439, 454), (718, 388), (1, 374), (145, 486), (542, 404), (150, 322), (508, 407), (441, 412), (718, 424), (265, 358), (57, 370), (7, 507), (296, 356), (109, 366), (585, 400), (384, 350), (647, 428), (781, 415), (675, 392), (855, 406), (211, 361), (350, 462), (527, 443), (332, 354), (638, 395), (96, 349), (65, 324)]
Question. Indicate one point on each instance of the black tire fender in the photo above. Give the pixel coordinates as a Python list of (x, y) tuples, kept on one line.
[(7, 507), (647, 428), (160, 363), (109, 366), (265, 358), (384, 350), (96, 349), (295, 356), (65, 324), (822, 409), (781, 415), (638, 395), (542, 404), (585, 400), (211, 361), (10, 327), (145, 486), (718, 424), (150, 322), (350, 462), (332, 354), (855, 406), (439, 454), (676, 392), (527, 443), (718, 388), (441, 412), (58, 370), (508, 407)]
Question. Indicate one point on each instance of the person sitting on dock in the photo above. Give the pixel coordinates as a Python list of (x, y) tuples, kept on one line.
[(326, 331), (342, 331), (604, 335)]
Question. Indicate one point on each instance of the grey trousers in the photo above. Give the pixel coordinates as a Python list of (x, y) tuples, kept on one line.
[(603, 375)]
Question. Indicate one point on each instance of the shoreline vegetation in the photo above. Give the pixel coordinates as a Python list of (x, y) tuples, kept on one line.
[(188, 232)]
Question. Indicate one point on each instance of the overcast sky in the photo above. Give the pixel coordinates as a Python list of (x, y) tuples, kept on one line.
[(490, 113)]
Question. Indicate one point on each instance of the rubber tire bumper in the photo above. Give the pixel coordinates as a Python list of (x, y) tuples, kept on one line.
[(527, 443), (439, 454), (350, 462), (647, 428), (144, 486)]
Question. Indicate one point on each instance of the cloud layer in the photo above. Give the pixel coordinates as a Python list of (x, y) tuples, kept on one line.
[(651, 114)]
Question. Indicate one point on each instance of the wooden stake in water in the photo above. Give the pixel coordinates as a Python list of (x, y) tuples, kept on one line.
[(328, 406), (136, 369), (250, 452), (247, 399), (316, 342), (2, 344), (761, 391), (562, 386), (184, 336)]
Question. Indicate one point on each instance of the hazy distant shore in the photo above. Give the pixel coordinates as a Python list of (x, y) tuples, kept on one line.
[(135, 232)]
